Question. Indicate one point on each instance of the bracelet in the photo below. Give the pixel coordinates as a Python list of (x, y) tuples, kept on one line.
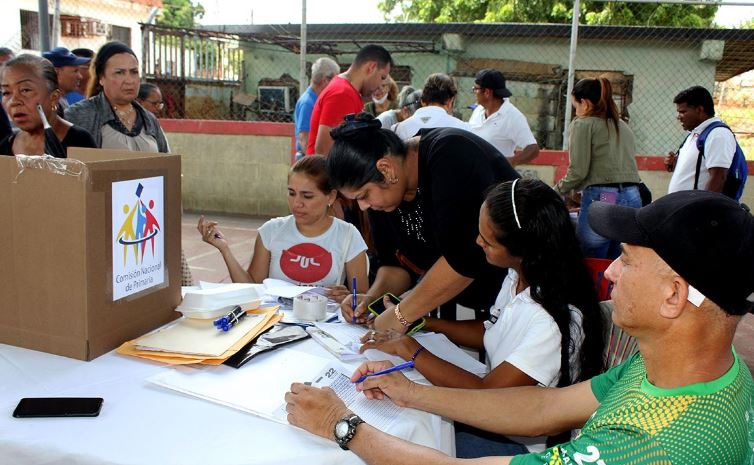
[(416, 354), (401, 319)]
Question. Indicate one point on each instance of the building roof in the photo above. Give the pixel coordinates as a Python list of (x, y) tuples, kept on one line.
[(738, 55), (157, 3)]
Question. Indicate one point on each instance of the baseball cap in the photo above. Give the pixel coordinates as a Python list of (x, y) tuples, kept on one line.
[(705, 237), (61, 56), (492, 79)]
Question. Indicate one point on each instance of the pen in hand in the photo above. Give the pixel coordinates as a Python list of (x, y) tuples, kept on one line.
[(353, 300), (402, 366)]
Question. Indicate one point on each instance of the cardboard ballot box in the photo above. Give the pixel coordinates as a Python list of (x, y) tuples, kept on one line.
[(90, 250)]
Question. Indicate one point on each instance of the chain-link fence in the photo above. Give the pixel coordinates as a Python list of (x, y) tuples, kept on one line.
[(252, 72)]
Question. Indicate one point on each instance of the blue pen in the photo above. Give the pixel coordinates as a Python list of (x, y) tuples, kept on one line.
[(229, 320), (353, 300), (402, 366)]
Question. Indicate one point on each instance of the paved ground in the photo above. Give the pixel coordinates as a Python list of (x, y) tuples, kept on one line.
[(207, 264)]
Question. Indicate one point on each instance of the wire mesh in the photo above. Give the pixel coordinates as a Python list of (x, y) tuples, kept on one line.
[(251, 72)]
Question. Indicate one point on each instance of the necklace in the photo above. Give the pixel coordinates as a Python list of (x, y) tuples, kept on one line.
[(123, 114)]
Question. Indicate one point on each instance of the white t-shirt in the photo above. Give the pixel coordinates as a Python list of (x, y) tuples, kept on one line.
[(719, 149), (388, 118), (427, 117), (506, 129), (317, 260), (527, 337)]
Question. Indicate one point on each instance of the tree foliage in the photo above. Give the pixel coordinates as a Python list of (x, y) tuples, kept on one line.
[(548, 11), (180, 13)]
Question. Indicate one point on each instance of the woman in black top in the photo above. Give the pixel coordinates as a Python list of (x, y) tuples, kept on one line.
[(426, 192), (28, 81)]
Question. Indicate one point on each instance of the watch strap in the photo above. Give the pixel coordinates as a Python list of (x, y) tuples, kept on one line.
[(353, 421)]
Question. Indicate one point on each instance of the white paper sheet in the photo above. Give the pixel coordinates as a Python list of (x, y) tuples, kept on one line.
[(260, 386), (379, 413)]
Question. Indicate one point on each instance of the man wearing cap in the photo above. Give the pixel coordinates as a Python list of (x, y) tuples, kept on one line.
[(497, 121), (681, 286), (67, 66)]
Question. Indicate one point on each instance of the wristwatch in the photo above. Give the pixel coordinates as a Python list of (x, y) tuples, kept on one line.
[(345, 429)]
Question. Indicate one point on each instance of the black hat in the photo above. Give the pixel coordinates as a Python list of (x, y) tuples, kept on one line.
[(61, 56), (706, 237), (492, 79)]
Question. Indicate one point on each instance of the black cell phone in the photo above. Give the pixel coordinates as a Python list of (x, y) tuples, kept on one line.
[(37, 407), (378, 306)]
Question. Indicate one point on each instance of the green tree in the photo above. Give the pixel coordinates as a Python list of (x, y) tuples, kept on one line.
[(548, 11), (180, 13)]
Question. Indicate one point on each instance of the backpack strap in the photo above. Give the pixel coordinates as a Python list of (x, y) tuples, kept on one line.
[(700, 141)]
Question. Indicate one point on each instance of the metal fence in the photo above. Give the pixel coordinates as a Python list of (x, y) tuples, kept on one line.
[(252, 72)]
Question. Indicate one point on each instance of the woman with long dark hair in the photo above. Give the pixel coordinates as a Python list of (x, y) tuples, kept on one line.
[(424, 195), (545, 327), (602, 165)]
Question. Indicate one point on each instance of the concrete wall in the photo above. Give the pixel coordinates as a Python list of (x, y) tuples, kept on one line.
[(233, 167), (123, 13), (242, 167)]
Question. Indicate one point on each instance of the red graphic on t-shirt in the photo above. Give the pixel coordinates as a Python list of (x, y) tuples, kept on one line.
[(306, 263)]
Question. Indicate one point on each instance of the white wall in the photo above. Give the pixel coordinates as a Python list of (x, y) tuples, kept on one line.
[(122, 13)]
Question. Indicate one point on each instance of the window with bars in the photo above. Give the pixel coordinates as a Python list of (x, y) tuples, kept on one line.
[(30, 30), (120, 33)]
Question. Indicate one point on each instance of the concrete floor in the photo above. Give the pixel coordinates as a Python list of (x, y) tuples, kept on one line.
[(207, 264)]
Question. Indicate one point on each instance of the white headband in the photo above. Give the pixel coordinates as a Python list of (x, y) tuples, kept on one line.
[(513, 202)]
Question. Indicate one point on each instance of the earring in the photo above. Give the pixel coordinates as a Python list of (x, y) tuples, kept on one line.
[(54, 108), (329, 205)]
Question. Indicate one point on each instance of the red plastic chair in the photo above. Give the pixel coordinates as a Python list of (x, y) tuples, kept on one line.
[(597, 267)]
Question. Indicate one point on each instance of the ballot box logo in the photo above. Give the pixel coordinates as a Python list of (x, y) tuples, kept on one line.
[(306, 263), (138, 237)]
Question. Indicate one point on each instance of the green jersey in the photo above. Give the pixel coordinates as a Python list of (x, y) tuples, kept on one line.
[(640, 424)]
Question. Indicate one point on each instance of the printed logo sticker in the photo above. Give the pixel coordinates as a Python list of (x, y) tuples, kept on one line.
[(138, 237), (306, 263)]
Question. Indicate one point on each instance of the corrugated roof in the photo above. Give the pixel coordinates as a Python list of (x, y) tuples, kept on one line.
[(738, 55)]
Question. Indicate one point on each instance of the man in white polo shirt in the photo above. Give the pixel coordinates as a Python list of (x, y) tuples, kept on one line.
[(500, 123), (438, 97)]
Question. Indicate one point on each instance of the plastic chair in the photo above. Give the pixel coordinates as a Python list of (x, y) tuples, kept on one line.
[(619, 346), (597, 267)]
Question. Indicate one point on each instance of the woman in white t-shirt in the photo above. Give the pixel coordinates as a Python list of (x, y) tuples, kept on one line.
[(545, 327), (309, 247)]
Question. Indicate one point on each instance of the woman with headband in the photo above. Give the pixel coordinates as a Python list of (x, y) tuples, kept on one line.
[(545, 327), (424, 196)]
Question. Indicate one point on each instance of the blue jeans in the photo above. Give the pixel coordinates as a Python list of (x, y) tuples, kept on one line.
[(473, 443), (592, 243)]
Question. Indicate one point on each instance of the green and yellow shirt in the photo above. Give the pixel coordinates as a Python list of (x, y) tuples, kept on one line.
[(640, 424)]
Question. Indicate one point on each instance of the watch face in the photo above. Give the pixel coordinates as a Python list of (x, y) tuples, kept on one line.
[(341, 429)]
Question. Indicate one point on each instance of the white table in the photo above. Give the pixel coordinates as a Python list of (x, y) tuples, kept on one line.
[(144, 424)]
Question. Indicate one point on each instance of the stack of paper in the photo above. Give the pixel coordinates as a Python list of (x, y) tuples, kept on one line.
[(187, 341)]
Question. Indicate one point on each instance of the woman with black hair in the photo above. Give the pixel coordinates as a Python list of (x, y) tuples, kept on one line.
[(111, 114), (545, 327), (601, 149), (425, 194)]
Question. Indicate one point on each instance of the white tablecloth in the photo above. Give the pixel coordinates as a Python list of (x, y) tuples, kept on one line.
[(144, 424)]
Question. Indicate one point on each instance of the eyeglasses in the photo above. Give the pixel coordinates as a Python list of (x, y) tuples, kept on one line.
[(158, 104)]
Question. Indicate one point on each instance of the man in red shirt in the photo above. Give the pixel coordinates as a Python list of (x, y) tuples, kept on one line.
[(343, 96)]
